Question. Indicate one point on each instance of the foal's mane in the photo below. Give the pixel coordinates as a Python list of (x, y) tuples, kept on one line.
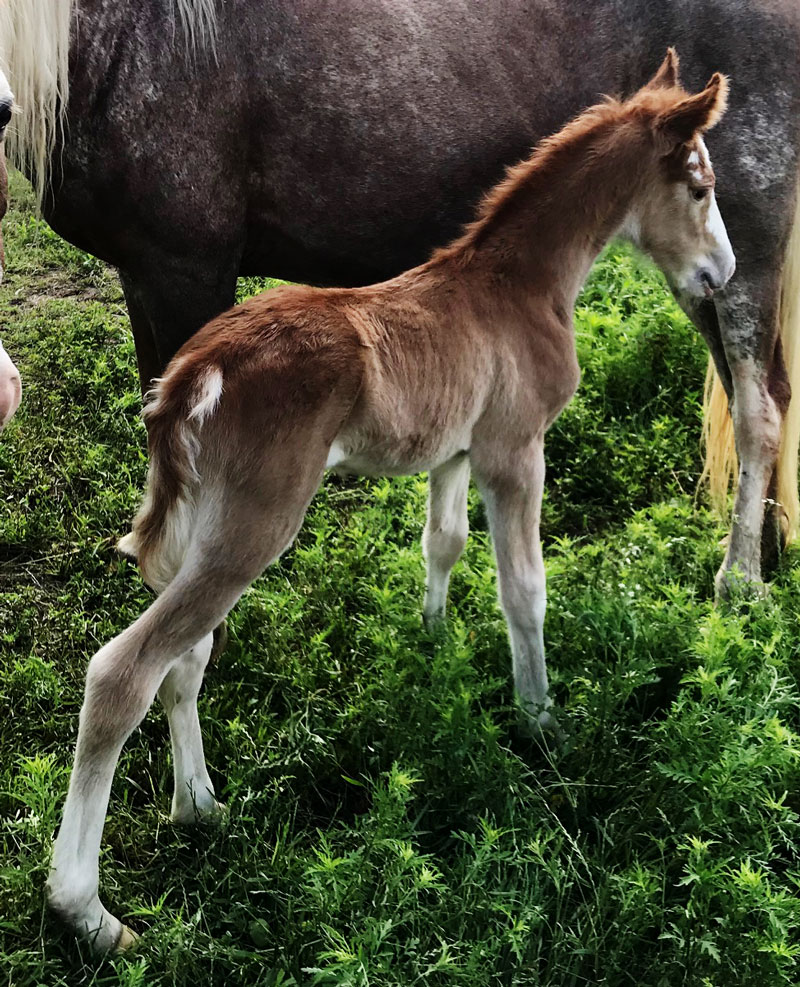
[(589, 133)]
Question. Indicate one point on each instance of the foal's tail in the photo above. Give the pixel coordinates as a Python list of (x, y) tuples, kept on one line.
[(162, 529), (721, 464)]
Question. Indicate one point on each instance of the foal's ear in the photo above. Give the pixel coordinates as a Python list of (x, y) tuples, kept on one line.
[(667, 75), (697, 113)]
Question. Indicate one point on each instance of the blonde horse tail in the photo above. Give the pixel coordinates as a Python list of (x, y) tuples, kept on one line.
[(34, 55), (790, 339), (721, 465)]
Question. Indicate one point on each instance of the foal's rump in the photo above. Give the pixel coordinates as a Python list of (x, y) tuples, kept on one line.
[(239, 430)]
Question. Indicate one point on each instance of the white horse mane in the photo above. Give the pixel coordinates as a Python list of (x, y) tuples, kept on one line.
[(34, 54)]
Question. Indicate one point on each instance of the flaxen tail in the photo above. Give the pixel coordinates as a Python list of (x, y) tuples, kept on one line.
[(162, 530), (721, 464)]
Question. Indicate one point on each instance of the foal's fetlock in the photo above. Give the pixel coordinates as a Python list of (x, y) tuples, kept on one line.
[(89, 919), (126, 546)]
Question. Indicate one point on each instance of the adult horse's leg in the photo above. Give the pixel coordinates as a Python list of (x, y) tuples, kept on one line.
[(741, 330), (445, 532), (707, 320), (512, 492), (170, 301), (148, 361), (748, 313), (165, 311)]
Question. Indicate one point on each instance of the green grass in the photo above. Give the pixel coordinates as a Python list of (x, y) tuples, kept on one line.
[(388, 825)]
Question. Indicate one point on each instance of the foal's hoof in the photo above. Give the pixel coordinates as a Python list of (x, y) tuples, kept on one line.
[(543, 727), (435, 622), (127, 940), (220, 641)]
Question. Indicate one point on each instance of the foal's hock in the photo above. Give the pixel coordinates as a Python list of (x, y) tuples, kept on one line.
[(460, 364)]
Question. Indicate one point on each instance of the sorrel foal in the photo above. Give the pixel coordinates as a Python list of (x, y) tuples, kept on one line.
[(461, 363)]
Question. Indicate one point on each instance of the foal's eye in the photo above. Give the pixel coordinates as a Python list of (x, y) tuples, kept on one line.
[(698, 194)]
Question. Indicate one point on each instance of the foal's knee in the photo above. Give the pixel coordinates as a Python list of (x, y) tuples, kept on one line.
[(443, 545)]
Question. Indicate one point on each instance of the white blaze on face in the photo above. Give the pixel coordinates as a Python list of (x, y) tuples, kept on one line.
[(680, 226), (207, 394), (720, 252)]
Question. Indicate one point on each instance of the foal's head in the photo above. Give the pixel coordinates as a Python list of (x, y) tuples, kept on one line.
[(676, 219)]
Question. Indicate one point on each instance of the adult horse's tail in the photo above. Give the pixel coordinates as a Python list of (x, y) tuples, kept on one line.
[(34, 54), (721, 464)]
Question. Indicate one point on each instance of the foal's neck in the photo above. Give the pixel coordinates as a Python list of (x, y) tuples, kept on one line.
[(540, 231)]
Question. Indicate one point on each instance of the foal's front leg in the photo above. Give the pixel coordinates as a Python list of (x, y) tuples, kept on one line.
[(513, 497), (445, 532)]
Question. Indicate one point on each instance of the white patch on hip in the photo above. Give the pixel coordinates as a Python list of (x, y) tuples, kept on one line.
[(207, 394)]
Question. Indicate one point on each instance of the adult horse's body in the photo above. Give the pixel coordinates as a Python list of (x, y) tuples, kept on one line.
[(338, 143)]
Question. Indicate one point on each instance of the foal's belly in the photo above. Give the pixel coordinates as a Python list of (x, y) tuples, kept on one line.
[(409, 454)]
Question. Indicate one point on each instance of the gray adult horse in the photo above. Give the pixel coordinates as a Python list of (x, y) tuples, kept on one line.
[(190, 141)]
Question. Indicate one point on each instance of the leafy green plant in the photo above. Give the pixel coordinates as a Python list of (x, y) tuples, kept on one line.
[(388, 825)]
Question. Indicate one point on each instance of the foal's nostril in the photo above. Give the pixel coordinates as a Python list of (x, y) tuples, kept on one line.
[(709, 283), (5, 113)]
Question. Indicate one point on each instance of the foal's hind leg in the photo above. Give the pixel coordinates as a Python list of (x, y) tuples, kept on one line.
[(121, 683), (193, 796), (241, 535), (445, 532)]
